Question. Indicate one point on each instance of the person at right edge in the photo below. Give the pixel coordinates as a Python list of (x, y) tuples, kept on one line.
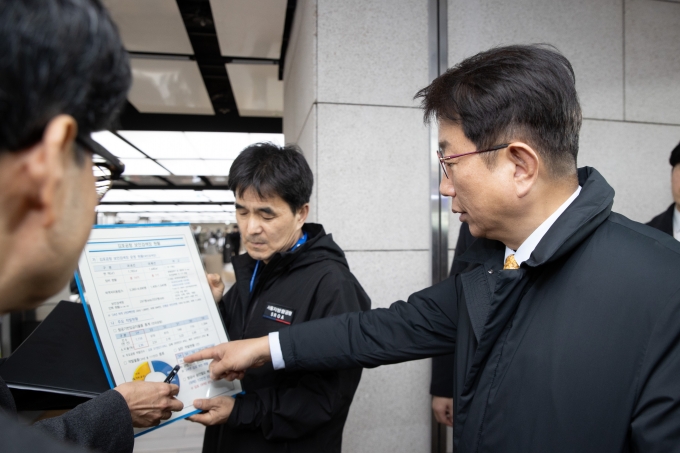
[(293, 272), (566, 330), (669, 220)]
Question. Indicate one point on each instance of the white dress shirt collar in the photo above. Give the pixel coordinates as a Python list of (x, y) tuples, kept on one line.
[(527, 248), (676, 223)]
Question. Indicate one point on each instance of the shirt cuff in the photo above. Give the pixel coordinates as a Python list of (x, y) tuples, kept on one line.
[(275, 351)]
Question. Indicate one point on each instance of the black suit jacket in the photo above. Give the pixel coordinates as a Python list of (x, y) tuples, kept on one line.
[(577, 350), (664, 221)]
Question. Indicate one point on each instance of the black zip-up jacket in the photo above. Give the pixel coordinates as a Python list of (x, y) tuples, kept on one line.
[(576, 351), (289, 412)]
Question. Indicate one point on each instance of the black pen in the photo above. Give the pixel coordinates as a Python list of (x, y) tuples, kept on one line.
[(172, 374)]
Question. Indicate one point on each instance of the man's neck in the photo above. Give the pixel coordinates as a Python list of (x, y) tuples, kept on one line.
[(538, 212), (296, 237)]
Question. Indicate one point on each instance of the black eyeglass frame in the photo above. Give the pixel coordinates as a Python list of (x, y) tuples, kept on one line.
[(111, 162), (443, 158)]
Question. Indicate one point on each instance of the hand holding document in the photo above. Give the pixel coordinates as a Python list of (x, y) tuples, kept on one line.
[(150, 402), (216, 286), (215, 410), (231, 360)]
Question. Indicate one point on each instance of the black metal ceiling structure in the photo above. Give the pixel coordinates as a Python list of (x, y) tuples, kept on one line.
[(198, 20)]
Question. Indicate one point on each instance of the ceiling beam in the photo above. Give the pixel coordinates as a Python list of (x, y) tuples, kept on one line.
[(132, 120), (287, 28), (168, 203), (163, 187)]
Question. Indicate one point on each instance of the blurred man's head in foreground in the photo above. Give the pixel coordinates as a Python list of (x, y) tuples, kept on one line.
[(63, 74)]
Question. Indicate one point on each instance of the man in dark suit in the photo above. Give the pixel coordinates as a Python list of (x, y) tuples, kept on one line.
[(565, 327), (669, 221), (63, 75)]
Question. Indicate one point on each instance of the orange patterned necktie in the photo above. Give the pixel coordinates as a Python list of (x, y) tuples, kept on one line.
[(510, 263)]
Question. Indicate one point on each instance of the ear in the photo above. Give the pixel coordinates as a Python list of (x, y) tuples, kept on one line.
[(47, 161), (526, 166), (302, 214)]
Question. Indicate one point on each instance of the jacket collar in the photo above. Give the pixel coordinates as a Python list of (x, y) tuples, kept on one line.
[(579, 220), (319, 246)]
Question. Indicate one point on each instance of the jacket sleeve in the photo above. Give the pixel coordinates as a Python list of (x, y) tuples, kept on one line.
[(423, 327), (305, 401), (441, 383), (103, 423), (16, 437), (655, 425)]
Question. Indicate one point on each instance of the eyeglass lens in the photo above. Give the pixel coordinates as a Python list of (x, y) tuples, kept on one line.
[(102, 178), (441, 156)]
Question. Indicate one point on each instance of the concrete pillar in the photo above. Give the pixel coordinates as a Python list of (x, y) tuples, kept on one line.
[(351, 72)]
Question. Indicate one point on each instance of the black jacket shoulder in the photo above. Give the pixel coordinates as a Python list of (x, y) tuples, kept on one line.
[(664, 221)]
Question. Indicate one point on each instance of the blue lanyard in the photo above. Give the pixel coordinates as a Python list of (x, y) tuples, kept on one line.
[(300, 241)]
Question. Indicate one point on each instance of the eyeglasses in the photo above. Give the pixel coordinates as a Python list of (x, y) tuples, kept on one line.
[(443, 158), (105, 166)]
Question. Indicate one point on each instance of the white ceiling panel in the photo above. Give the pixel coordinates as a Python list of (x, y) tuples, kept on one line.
[(220, 196), (257, 89), (249, 28), (168, 86), (161, 144), (125, 196), (143, 167), (177, 196), (186, 166), (209, 167), (277, 139), (193, 145), (150, 25), (218, 167), (159, 217), (116, 146), (218, 145), (126, 208), (201, 208), (160, 208)]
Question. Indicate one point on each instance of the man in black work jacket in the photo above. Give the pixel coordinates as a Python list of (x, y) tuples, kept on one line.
[(293, 272), (566, 329), (669, 220)]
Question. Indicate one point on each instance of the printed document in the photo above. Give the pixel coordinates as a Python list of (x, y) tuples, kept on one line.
[(149, 305)]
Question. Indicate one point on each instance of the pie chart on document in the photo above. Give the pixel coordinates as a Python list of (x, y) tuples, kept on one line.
[(154, 371)]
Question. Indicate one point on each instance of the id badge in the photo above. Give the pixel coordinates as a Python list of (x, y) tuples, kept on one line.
[(279, 313)]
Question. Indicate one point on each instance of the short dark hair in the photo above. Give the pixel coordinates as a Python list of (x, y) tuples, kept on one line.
[(675, 156), (271, 170), (58, 57), (522, 92)]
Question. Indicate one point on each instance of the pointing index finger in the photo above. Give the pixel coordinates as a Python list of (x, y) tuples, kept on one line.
[(205, 354)]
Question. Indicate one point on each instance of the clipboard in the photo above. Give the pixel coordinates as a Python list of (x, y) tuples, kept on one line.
[(148, 304)]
